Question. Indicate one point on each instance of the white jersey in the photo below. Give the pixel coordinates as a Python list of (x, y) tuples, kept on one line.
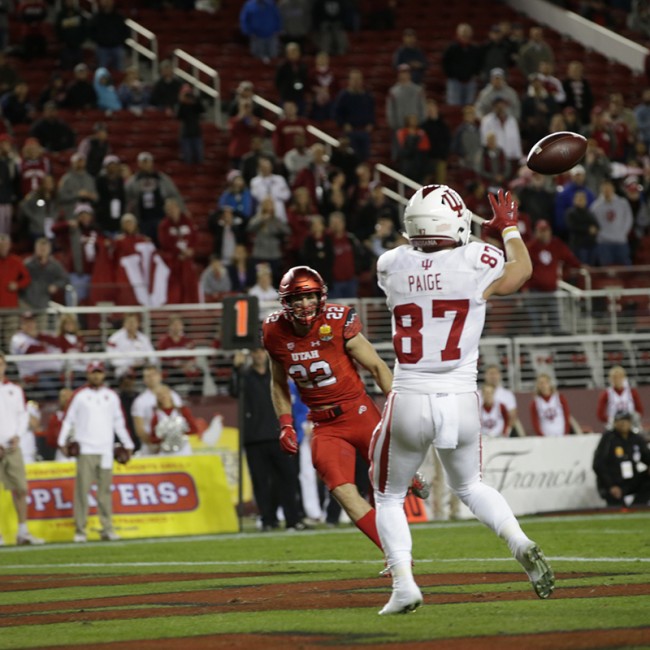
[(505, 397), (145, 404), (494, 420), (22, 343), (550, 415), (623, 401), (95, 414), (120, 341), (438, 313), (14, 412)]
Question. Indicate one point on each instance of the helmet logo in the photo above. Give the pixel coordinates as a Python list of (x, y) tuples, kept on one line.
[(453, 201), (427, 189)]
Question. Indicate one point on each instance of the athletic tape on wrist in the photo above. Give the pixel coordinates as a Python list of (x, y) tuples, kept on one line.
[(511, 232)]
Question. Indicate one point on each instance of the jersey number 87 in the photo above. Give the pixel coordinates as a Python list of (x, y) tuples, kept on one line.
[(409, 321)]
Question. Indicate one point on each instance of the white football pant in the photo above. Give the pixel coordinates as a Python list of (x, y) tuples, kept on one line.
[(408, 426)]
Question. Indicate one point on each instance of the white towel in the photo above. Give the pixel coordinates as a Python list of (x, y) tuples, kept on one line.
[(445, 416)]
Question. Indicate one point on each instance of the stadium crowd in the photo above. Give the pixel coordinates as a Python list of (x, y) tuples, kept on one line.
[(119, 230)]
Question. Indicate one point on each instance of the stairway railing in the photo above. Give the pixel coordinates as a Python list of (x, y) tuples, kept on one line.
[(193, 77)]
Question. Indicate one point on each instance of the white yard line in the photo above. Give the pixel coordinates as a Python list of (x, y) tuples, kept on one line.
[(240, 563)]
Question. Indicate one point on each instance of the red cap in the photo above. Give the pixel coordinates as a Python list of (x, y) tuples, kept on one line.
[(96, 366)]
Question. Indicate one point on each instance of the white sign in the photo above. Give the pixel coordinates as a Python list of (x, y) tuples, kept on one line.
[(537, 474)]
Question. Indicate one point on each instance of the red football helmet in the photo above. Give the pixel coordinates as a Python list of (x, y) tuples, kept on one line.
[(300, 280)]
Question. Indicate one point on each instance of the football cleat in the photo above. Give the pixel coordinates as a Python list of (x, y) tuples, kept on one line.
[(403, 601), (420, 486), (538, 569), (79, 538)]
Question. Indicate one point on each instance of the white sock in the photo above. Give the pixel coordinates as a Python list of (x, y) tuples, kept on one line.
[(511, 532), (393, 529), (22, 530)]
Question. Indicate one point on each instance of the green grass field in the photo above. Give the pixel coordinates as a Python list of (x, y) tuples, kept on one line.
[(320, 588)]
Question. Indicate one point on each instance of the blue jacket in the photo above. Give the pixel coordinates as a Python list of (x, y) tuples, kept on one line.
[(298, 410), (243, 203), (260, 18), (564, 201), (107, 98)]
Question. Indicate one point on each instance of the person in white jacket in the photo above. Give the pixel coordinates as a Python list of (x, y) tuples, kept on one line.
[(129, 338), (94, 415), (12, 467)]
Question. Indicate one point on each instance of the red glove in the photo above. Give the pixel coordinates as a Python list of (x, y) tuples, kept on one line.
[(288, 436), (505, 212)]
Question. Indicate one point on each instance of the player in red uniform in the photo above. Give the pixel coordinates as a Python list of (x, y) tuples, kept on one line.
[(317, 344)]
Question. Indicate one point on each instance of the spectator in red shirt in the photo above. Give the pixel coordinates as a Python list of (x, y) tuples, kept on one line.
[(315, 176), (549, 256), (175, 339), (348, 258), (243, 128), (290, 125), (34, 166), (137, 274), (299, 213), (177, 236), (324, 87), (14, 277), (600, 129)]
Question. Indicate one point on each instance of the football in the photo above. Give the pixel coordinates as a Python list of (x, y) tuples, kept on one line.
[(121, 454), (557, 153), (72, 448)]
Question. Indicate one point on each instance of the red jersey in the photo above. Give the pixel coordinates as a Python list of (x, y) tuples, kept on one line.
[(344, 253), (54, 428), (285, 132), (32, 173), (318, 362), (175, 238), (12, 269), (547, 260), (182, 343)]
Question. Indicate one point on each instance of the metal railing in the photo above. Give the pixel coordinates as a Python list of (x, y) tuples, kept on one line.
[(326, 138), (148, 49), (591, 332), (197, 69)]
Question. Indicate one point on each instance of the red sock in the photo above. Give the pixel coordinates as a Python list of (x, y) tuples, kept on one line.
[(368, 526)]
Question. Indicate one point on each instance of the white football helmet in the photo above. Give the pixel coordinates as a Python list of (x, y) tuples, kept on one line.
[(436, 215)]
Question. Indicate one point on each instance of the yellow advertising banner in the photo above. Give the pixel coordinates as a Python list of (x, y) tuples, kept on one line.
[(228, 449), (152, 497)]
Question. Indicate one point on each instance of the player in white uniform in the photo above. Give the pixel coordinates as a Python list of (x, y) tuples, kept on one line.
[(436, 289)]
